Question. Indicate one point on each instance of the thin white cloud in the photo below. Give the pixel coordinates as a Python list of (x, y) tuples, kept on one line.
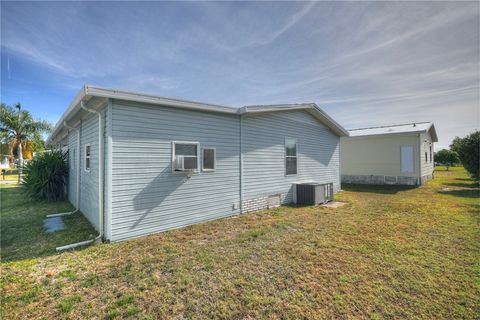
[(365, 62)]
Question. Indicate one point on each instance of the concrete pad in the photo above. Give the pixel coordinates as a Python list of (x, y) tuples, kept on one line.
[(53, 224), (334, 204)]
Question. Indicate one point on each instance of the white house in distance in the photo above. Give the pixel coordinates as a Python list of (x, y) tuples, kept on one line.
[(398, 154), (141, 164)]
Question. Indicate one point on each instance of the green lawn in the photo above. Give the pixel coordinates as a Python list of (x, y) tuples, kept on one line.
[(390, 253), (22, 233)]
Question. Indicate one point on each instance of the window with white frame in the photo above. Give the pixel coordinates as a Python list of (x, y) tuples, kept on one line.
[(88, 156), (290, 156), (185, 156), (431, 153), (209, 159)]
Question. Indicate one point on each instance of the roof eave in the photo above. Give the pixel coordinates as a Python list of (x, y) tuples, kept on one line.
[(71, 110), (93, 91), (433, 133)]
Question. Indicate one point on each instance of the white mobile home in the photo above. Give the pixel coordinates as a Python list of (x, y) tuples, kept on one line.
[(141, 164), (398, 154)]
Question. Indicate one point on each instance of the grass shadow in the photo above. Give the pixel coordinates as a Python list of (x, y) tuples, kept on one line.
[(380, 189), (463, 193), (463, 183)]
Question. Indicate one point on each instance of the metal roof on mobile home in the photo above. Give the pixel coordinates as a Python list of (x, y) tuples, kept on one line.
[(396, 129)]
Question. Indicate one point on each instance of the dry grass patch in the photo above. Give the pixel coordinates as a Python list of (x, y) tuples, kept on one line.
[(389, 253)]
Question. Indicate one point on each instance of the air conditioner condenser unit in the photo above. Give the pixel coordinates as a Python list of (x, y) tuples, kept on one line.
[(313, 193)]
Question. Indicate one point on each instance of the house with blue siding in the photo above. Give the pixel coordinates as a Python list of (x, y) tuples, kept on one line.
[(141, 164)]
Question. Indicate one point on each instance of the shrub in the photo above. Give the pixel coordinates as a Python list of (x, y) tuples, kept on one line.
[(468, 150), (46, 176)]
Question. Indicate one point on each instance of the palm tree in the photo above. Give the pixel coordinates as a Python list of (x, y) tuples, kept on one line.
[(19, 127)]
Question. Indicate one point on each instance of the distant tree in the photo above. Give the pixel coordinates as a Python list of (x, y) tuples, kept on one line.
[(456, 144), (447, 157), (468, 150), (18, 127)]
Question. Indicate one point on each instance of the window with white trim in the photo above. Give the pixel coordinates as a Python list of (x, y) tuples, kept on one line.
[(290, 156), (185, 156), (209, 159), (431, 153), (88, 156)]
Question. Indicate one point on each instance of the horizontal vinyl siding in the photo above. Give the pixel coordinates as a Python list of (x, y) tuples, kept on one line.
[(264, 153), (72, 166), (146, 196), (426, 167), (89, 180)]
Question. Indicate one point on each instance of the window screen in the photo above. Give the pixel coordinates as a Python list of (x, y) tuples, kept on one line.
[(184, 149), (290, 156), (208, 159), (87, 157)]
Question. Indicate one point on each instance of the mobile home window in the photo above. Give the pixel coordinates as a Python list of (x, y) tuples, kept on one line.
[(189, 152), (431, 153), (290, 156), (209, 159), (87, 157)]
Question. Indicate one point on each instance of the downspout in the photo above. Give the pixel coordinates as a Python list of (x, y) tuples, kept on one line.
[(100, 167), (241, 164), (100, 183), (77, 205)]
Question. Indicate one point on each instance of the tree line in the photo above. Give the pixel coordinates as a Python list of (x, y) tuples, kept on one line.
[(465, 151)]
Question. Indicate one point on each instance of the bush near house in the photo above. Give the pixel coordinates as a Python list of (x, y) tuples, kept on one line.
[(468, 150), (47, 176)]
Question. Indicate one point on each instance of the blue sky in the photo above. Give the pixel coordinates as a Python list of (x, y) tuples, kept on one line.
[(365, 63)]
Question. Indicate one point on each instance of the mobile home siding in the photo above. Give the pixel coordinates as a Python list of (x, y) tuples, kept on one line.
[(427, 167), (89, 179), (73, 154), (264, 153), (146, 196)]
